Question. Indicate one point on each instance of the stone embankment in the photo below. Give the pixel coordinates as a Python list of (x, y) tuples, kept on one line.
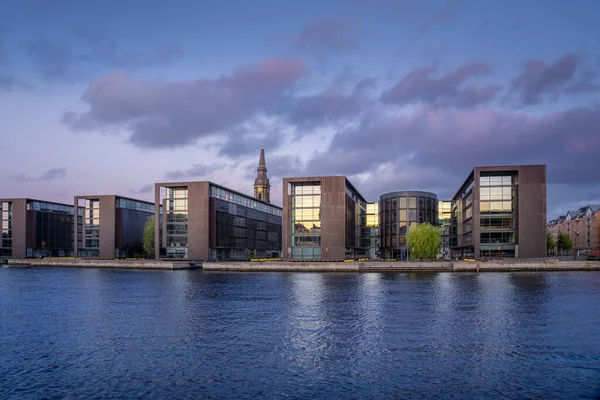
[(433, 266), (358, 266), (113, 264)]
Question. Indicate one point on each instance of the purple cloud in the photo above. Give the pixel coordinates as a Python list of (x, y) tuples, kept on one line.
[(326, 107), (100, 48), (162, 114), (195, 171), (322, 38), (247, 138), (453, 141), (445, 91), (539, 79), (9, 83), (57, 61), (144, 189), (50, 175)]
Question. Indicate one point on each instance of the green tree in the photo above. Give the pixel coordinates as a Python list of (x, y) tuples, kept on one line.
[(149, 237), (564, 242), (424, 241), (550, 245)]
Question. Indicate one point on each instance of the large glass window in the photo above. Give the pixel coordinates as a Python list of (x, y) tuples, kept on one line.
[(176, 214), (497, 210), (90, 244), (306, 220)]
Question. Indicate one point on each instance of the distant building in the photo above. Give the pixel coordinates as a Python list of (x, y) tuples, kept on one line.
[(445, 222), (581, 225), (400, 210), (206, 221), (323, 219), (33, 228), (500, 212), (111, 226), (262, 187)]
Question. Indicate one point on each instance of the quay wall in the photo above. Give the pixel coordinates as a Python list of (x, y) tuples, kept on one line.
[(115, 264), (282, 266), (432, 266)]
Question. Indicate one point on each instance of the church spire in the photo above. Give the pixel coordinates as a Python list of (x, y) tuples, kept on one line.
[(262, 187)]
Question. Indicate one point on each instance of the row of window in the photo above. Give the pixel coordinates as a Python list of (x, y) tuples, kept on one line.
[(497, 237), (495, 180), (496, 193), (135, 205), (306, 253), (224, 194), (304, 188), (45, 206), (306, 201), (306, 240), (306, 214)]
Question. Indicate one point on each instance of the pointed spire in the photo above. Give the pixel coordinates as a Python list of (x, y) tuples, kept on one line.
[(262, 187), (261, 162)]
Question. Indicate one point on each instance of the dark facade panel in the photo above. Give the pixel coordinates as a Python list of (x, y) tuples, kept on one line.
[(120, 227), (216, 228), (36, 227)]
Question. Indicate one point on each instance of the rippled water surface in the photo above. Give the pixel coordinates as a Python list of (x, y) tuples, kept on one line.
[(85, 333)]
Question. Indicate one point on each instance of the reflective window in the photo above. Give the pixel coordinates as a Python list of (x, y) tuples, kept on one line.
[(306, 221)]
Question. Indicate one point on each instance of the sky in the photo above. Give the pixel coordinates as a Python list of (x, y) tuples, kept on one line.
[(109, 97)]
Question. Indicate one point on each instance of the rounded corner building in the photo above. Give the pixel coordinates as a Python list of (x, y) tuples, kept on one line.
[(399, 210)]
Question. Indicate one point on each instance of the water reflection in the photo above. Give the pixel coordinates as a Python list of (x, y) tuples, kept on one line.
[(189, 334)]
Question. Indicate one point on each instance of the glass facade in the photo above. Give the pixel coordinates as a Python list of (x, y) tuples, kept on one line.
[(243, 233), (53, 235), (131, 218), (176, 213), (444, 221), (90, 244), (222, 193), (356, 218), (461, 228), (306, 221), (6, 220), (400, 210), (370, 237), (497, 214)]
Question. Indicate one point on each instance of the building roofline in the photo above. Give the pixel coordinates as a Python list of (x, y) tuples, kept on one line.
[(408, 193), (91, 196), (41, 201), (173, 184), (308, 178)]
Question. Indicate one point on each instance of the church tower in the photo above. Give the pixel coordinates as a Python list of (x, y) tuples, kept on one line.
[(262, 187)]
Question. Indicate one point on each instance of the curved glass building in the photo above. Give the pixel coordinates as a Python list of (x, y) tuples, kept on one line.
[(398, 211)]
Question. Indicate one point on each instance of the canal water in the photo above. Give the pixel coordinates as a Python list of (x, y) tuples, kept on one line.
[(91, 333)]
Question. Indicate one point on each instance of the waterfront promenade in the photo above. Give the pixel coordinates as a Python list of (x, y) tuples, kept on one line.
[(356, 266)]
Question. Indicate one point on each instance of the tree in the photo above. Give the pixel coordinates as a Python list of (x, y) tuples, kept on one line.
[(424, 241), (564, 242), (149, 237), (550, 245)]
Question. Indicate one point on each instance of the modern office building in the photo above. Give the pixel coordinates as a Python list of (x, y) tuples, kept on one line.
[(500, 211), (400, 210), (33, 228), (111, 226), (206, 221), (444, 222), (322, 218), (581, 225)]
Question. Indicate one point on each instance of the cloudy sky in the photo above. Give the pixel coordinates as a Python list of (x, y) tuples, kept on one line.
[(103, 97)]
